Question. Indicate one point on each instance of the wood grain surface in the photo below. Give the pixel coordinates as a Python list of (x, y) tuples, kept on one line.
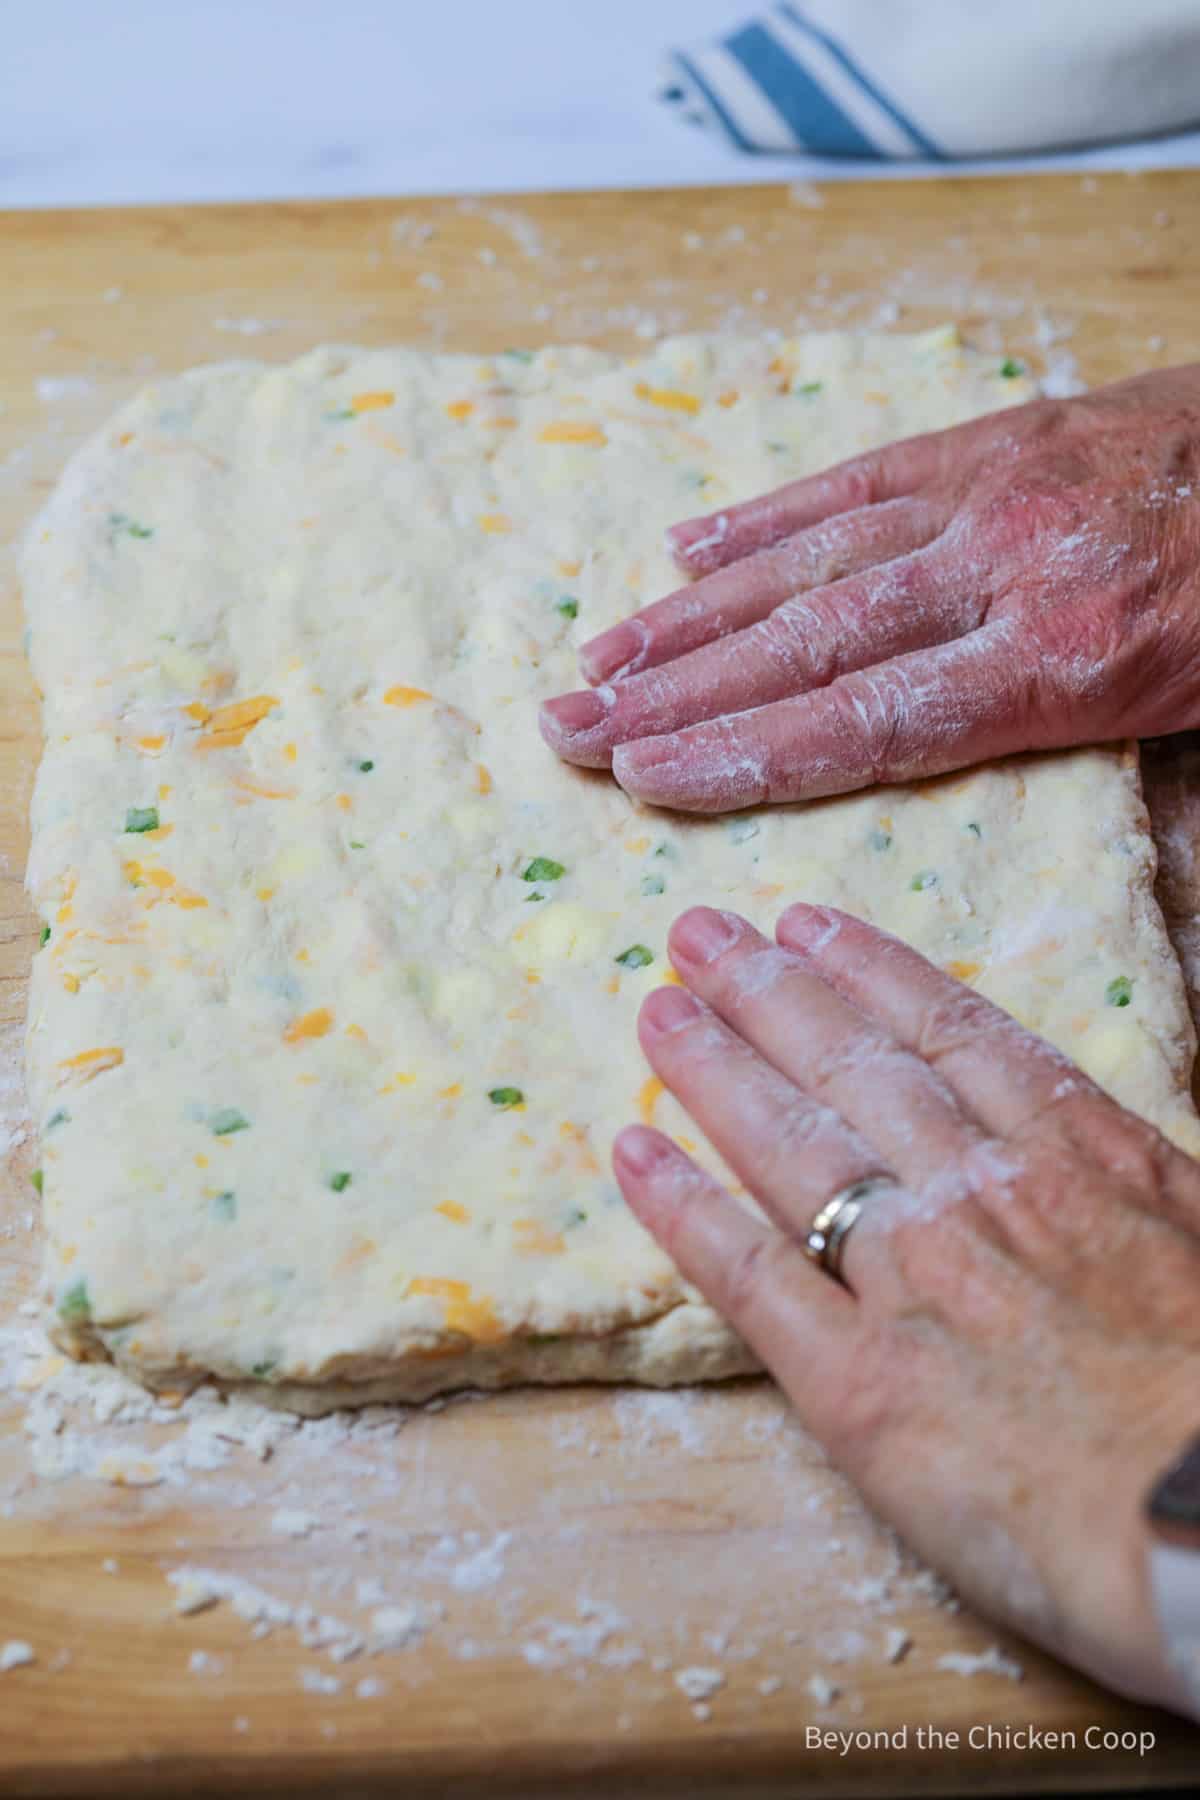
[(568, 1553)]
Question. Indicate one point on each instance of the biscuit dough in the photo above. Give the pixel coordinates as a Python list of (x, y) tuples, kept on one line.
[(333, 1020)]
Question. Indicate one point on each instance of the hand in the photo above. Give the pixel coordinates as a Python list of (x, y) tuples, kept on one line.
[(1016, 1354), (1025, 581)]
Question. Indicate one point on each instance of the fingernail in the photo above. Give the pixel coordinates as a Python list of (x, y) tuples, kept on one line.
[(703, 934), (669, 1009), (570, 714), (808, 928), (641, 1150), (615, 652), (637, 763)]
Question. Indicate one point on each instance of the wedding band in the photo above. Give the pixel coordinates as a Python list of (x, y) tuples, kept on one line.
[(825, 1240)]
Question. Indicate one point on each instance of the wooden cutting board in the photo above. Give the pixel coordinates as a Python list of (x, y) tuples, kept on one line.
[(552, 1562)]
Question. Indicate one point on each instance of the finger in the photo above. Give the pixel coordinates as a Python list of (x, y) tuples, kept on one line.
[(806, 643), (1003, 1073), (792, 1153), (834, 1051), (799, 1322), (892, 473), (740, 595), (919, 714)]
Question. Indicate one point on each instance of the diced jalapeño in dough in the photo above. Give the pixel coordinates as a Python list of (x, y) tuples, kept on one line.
[(36, 1179), (568, 607), (121, 522), (636, 957), (924, 878), (76, 1303), (340, 1181), (1010, 368), (543, 868), (228, 1119), (366, 766), (141, 818), (506, 1097), (44, 938), (1119, 991)]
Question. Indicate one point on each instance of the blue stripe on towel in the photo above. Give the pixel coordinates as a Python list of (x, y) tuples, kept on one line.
[(722, 112), (924, 144), (809, 111)]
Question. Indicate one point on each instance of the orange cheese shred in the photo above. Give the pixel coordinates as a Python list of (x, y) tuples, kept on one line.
[(372, 402), (228, 725), (671, 398), (309, 1025), (963, 971), (534, 1240), (495, 523), (87, 1064), (475, 1318), (453, 1209), (405, 696), (460, 409), (572, 431), (647, 1099)]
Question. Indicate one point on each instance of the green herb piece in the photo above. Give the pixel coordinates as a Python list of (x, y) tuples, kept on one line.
[(75, 1304), (341, 1181), (1010, 368), (543, 868), (57, 1118), (666, 849), (224, 1207), (506, 1097), (568, 607), (636, 957), (260, 1370), (777, 448), (575, 1215), (653, 884), (974, 829), (356, 844), (1119, 991), (44, 937), (37, 1179), (880, 840), (141, 818), (810, 387), (525, 356), (534, 896), (340, 412), (130, 527), (364, 768), (226, 1120), (926, 878)]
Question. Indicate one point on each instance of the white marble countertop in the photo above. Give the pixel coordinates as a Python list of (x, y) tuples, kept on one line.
[(265, 99)]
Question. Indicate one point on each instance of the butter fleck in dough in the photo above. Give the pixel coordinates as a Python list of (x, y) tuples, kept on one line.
[(333, 1020)]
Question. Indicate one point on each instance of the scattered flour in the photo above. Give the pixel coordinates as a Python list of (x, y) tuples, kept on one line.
[(698, 1683), (992, 1661), (16, 1654)]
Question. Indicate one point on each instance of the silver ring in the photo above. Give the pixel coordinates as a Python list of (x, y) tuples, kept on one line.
[(826, 1237)]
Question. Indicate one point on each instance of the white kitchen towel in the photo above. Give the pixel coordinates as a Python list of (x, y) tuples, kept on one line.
[(931, 79)]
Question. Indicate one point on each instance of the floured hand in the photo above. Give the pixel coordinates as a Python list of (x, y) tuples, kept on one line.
[(1016, 1353), (1025, 581)]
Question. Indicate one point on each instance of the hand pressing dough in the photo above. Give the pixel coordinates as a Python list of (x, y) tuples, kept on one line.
[(334, 1018)]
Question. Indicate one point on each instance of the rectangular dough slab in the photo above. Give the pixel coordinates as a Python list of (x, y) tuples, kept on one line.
[(325, 1062)]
